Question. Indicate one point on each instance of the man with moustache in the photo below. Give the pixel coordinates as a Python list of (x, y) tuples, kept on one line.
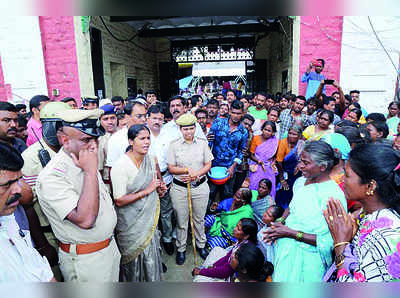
[(8, 132), (75, 200), (8, 126), (19, 261), (170, 132), (230, 96), (292, 116), (136, 113), (155, 121), (201, 116), (212, 107), (229, 141)]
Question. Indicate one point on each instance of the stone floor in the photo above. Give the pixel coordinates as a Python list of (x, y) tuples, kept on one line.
[(180, 272)]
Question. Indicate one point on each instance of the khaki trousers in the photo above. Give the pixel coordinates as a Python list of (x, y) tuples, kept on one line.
[(100, 266), (179, 200)]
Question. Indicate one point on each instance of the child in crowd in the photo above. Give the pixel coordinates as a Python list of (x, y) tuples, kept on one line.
[(271, 214)]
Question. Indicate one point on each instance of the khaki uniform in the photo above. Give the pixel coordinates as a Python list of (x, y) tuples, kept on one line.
[(192, 156), (30, 171), (102, 153), (59, 187), (102, 150)]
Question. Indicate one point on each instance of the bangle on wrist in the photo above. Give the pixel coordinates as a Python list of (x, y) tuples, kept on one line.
[(340, 244), (299, 235), (186, 171), (340, 264)]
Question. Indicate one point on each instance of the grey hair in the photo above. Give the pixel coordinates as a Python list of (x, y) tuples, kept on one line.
[(322, 154), (297, 129)]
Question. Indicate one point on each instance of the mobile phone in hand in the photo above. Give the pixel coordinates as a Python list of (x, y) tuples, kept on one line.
[(329, 82)]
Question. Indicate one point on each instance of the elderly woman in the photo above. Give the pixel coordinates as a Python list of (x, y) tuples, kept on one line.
[(135, 191), (287, 158), (315, 132), (368, 249), (304, 245), (189, 159)]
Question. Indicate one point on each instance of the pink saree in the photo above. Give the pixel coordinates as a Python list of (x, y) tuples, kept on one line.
[(265, 152)]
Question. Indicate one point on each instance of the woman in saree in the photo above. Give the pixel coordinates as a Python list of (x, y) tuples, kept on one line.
[(316, 132), (263, 149), (287, 158), (261, 200), (135, 187), (230, 211), (217, 265), (304, 244), (367, 247)]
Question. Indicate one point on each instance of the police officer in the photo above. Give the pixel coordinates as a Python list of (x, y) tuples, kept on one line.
[(35, 158), (109, 122), (189, 159), (90, 103), (76, 202)]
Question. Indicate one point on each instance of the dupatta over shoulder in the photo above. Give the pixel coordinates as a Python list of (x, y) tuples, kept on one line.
[(138, 221), (265, 152)]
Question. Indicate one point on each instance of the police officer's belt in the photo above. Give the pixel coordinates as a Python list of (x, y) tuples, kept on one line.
[(86, 248), (193, 184)]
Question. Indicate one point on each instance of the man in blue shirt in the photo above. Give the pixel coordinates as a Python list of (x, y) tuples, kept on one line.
[(313, 78), (228, 138)]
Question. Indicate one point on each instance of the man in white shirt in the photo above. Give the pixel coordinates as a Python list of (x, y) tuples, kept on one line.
[(19, 261), (155, 121), (118, 142), (169, 133)]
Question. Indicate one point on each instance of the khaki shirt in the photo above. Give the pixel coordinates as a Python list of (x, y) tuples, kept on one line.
[(102, 150), (30, 171), (59, 187), (194, 155)]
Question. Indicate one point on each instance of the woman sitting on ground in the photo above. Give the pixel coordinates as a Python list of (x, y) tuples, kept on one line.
[(261, 200), (229, 212), (368, 248), (217, 266), (250, 266)]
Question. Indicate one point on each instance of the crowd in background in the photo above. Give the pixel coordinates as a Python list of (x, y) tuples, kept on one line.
[(265, 187)]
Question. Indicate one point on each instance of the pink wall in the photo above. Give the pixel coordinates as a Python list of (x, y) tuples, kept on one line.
[(321, 37), (5, 89), (59, 51)]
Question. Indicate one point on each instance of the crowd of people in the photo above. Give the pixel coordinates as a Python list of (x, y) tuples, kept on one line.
[(283, 187)]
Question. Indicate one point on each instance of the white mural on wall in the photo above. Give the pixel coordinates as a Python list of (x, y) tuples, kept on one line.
[(365, 65), (22, 57)]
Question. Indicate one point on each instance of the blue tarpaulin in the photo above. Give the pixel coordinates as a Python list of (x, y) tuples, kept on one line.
[(184, 83)]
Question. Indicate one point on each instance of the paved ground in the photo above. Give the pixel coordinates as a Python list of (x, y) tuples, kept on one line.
[(180, 273)]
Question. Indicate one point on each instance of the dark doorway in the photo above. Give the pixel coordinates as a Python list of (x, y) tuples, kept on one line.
[(132, 87), (256, 73), (97, 62), (169, 85)]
